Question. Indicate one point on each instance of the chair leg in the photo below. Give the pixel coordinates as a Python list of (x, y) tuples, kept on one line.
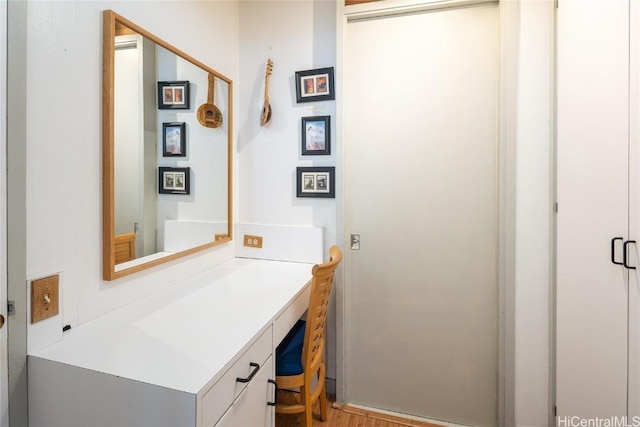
[(305, 399), (323, 403), (322, 381)]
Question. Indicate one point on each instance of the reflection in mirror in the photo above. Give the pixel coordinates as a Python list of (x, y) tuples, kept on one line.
[(152, 137)]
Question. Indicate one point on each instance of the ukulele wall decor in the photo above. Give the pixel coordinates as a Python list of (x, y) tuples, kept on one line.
[(208, 114), (265, 116)]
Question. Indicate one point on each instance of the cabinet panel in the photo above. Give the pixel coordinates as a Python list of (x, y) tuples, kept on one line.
[(593, 144), (67, 395)]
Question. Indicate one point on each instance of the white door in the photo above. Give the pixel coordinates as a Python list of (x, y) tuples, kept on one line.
[(421, 141), (593, 152), (129, 137), (4, 355)]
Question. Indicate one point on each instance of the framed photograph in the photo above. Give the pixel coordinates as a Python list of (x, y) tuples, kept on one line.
[(174, 140), (315, 85), (173, 180), (316, 135), (316, 181), (173, 95)]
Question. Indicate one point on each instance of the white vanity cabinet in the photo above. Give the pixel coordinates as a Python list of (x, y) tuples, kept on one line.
[(174, 358)]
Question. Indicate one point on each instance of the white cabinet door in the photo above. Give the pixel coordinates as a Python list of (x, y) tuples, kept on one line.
[(634, 213), (250, 407), (593, 144)]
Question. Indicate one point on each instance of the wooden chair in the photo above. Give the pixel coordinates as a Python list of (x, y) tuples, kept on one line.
[(125, 247), (300, 355)]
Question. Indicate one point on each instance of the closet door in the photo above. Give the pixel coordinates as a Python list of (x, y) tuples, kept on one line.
[(422, 193), (593, 144)]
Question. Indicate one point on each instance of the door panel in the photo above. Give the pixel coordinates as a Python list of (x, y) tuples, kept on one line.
[(421, 162), (593, 126)]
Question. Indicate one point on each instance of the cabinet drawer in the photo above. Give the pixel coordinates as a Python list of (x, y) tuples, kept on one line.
[(218, 399), (290, 316), (250, 409)]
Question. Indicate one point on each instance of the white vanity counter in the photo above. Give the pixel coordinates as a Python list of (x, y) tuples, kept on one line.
[(179, 342)]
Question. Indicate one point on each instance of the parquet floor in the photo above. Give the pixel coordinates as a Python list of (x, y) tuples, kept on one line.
[(347, 416)]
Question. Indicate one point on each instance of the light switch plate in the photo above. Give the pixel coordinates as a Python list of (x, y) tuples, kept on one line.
[(44, 298)]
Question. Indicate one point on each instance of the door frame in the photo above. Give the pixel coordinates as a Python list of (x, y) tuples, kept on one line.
[(516, 17), (14, 209), (4, 358)]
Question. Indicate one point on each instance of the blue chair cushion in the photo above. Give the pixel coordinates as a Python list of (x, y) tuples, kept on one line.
[(289, 352)]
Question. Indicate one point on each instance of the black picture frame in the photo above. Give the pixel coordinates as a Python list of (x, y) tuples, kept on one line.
[(173, 95), (315, 85), (174, 139), (316, 135), (316, 181), (174, 180)]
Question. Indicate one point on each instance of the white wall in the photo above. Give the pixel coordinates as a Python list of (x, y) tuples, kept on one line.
[(64, 209), (296, 35)]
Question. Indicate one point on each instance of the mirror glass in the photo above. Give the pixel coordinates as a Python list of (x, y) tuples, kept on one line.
[(166, 151)]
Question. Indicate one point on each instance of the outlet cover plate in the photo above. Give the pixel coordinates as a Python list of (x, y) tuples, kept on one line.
[(252, 241)]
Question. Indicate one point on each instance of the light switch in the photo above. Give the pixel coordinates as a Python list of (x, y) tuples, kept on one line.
[(44, 298), (355, 242)]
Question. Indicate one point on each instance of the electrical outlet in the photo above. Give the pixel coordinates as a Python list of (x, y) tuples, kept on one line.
[(252, 241), (44, 298), (221, 237)]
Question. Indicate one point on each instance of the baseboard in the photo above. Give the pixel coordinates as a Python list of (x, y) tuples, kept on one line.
[(394, 417)]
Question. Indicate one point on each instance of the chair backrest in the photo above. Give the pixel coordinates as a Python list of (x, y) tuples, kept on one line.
[(322, 281)]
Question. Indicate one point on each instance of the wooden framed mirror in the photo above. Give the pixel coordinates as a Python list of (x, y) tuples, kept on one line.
[(167, 165)]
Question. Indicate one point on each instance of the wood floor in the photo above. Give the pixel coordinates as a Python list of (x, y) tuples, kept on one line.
[(340, 415)]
